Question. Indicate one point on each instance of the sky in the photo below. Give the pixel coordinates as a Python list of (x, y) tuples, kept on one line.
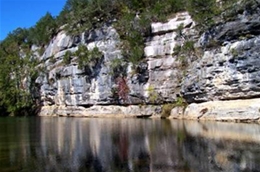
[(25, 13)]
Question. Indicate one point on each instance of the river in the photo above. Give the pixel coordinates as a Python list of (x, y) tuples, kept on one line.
[(126, 145)]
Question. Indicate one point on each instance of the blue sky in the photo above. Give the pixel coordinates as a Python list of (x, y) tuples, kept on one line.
[(25, 13)]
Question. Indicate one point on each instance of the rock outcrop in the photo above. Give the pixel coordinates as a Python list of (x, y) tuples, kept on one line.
[(230, 68), (233, 110), (68, 91), (221, 71), (227, 70)]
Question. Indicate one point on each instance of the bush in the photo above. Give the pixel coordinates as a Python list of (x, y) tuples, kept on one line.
[(203, 12), (43, 31), (166, 110), (67, 58), (152, 95), (86, 57), (118, 67), (52, 60)]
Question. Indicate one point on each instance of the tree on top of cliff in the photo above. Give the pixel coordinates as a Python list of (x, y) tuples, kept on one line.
[(43, 31)]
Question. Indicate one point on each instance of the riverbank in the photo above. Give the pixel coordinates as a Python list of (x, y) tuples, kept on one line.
[(231, 110)]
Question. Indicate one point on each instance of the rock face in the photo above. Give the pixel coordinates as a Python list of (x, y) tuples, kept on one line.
[(164, 68), (67, 85), (220, 70), (227, 70), (67, 90), (232, 110)]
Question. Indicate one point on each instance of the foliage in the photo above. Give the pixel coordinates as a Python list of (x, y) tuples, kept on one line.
[(180, 102), (52, 59), (67, 57), (43, 31), (183, 52), (152, 94), (17, 73), (203, 11), (166, 109), (87, 57), (117, 67)]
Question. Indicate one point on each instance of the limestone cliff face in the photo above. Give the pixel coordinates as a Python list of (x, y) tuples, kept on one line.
[(227, 71), (67, 90), (67, 85), (226, 68), (230, 69)]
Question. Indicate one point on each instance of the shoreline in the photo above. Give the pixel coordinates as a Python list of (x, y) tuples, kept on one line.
[(244, 111)]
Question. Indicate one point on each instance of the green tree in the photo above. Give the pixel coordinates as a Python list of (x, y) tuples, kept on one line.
[(17, 73), (203, 11), (43, 31)]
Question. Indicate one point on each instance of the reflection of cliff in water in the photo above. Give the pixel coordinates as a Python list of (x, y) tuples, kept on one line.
[(214, 146), (111, 145)]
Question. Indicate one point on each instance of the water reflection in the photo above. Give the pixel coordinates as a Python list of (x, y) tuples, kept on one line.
[(127, 145)]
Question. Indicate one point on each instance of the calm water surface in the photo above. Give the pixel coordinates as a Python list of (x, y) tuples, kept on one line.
[(127, 145)]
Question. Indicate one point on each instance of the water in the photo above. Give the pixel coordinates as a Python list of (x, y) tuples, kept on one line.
[(127, 145)]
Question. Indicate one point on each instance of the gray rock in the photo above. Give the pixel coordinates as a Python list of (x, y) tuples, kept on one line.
[(230, 73)]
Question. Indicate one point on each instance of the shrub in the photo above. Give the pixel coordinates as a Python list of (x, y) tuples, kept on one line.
[(166, 110), (152, 95), (67, 58), (86, 57), (43, 31), (118, 67), (203, 11), (180, 102)]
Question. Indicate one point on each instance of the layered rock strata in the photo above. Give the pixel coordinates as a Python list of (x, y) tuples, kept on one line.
[(226, 77), (68, 91), (219, 78)]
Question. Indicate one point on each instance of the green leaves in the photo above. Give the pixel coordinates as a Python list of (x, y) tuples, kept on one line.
[(84, 56), (17, 73), (203, 11), (43, 31)]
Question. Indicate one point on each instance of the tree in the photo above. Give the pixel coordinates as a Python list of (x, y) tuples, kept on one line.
[(44, 30), (17, 73), (203, 11)]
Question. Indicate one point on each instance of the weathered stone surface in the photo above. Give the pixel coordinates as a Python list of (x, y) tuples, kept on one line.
[(58, 43), (164, 75), (231, 72), (69, 87), (177, 113), (244, 23), (229, 67), (232, 110), (102, 111), (173, 24)]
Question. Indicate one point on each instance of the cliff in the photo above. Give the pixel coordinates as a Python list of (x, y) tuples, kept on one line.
[(68, 90), (216, 72)]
